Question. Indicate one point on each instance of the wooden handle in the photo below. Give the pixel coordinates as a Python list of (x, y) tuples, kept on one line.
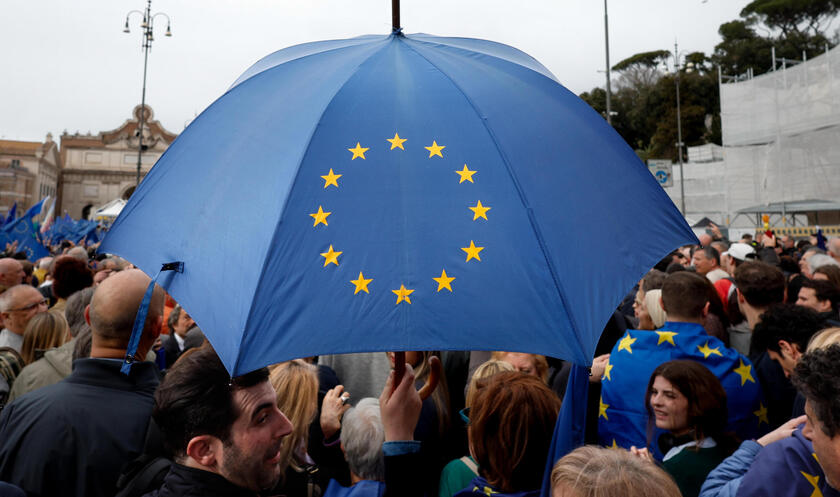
[(431, 382), (433, 379)]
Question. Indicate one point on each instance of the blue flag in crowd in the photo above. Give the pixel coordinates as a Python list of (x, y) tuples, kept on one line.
[(22, 232), (35, 209), (820, 238), (787, 468), (622, 416), (11, 216)]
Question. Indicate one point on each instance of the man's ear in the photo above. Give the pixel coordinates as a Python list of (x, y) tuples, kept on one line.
[(785, 347), (662, 304), (203, 450), (87, 314), (741, 298), (706, 309)]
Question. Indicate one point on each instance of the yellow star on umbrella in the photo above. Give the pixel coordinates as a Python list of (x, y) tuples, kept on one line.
[(396, 142), (666, 336), (707, 351), (320, 216), (444, 281), (479, 211), (626, 342), (466, 175), (602, 409), (614, 446), (330, 256), (745, 372), (472, 251), (361, 283), (435, 149), (331, 179), (402, 294), (359, 151), (761, 414)]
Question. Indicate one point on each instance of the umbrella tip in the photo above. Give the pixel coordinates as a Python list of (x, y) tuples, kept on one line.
[(397, 32)]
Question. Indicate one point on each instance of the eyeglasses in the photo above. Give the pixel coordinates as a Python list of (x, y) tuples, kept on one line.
[(44, 302), (465, 415)]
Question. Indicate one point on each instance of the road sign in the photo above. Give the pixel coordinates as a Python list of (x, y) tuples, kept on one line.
[(661, 170)]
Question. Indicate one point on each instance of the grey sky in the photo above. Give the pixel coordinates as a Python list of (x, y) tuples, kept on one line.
[(67, 64)]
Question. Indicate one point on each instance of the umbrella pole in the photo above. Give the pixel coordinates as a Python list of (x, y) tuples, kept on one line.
[(395, 15)]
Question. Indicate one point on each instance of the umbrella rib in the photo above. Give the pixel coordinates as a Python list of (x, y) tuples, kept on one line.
[(534, 226), (274, 235)]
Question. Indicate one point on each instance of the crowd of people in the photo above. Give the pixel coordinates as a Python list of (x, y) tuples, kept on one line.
[(718, 375)]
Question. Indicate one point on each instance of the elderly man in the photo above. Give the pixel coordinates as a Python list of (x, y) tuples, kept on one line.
[(17, 306), (73, 437), (11, 273), (706, 262), (362, 436), (834, 248)]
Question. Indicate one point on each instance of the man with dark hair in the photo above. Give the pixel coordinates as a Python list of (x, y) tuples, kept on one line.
[(224, 434), (817, 376), (706, 262), (69, 276), (73, 437), (622, 418), (820, 296), (760, 286), (784, 332)]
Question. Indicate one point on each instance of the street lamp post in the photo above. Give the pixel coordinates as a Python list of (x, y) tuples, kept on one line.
[(147, 26), (607, 43), (679, 127)]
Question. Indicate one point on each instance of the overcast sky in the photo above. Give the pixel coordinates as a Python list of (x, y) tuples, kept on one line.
[(67, 65)]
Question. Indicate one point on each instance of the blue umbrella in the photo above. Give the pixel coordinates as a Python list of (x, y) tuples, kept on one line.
[(401, 192)]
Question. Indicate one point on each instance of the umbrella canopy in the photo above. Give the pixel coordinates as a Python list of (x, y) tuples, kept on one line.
[(414, 193)]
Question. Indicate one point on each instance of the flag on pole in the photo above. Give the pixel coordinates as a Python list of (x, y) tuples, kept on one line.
[(48, 218)]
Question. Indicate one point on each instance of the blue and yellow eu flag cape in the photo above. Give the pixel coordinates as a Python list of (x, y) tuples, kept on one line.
[(622, 415), (787, 468)]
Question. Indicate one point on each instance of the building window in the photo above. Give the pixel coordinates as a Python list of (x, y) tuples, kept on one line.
[(15, 162)]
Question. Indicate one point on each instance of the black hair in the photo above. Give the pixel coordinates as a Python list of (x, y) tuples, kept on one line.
[(760, 283), (794, 324), (823, 291), (196, 398), (817, 376)]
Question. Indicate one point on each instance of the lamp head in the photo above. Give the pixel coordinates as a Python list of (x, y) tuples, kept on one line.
[(125, 29), (168, 31)]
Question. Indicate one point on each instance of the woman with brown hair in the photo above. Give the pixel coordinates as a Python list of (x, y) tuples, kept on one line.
[(686, 399), (511, 423), (44, 331), (598, 472)]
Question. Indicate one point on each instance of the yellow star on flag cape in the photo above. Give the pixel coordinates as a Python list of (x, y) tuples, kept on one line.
[(331, 179), (614, 446), (359, 151), (402, 294), (626, 342), (396, 142), (707, 351), (435, 149), (361, 283), (666, 336), (814, 480), (320, 216), (761, 413), (472, 251), (444, 281), (330, 256), (607, 370), (745, 372), (602, 409), (466, 175), (479, 211)]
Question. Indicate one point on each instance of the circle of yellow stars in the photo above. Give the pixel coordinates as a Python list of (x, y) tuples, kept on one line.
[(403, 294)]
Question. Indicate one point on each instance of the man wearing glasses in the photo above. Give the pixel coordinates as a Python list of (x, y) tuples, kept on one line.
[(17, 306)]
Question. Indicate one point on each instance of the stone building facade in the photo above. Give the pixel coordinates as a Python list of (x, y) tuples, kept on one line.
[(98, 168), (29, 171)]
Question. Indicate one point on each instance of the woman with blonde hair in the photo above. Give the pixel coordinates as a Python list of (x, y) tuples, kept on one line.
[(532, 364), (296, 384), (597, 472), (45, 331)]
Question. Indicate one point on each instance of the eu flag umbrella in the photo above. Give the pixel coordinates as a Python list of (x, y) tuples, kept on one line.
[(401, 192)]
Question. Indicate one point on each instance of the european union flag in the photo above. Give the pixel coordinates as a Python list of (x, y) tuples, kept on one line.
[(787, 468), (11, 216), (622, 417), (22, 232), (35, 209)]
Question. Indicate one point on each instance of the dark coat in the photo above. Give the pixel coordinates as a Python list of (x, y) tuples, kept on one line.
[(187, 482), (170, 346), (73, 437)]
